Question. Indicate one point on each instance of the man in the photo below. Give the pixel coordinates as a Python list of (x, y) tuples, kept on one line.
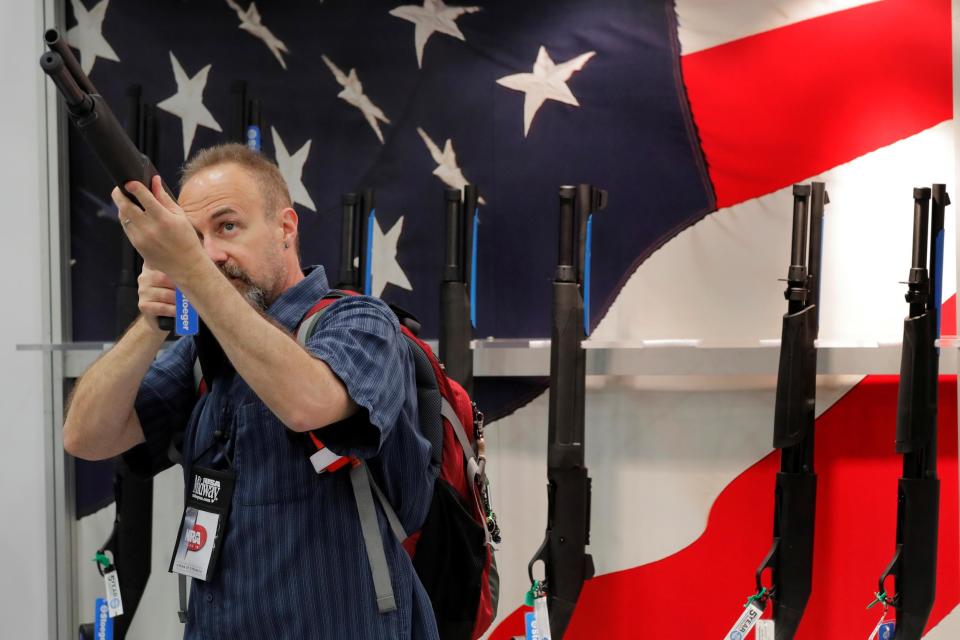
[(292, 562)]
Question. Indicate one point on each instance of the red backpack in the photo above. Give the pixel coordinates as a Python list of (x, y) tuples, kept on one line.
[(453, 551)]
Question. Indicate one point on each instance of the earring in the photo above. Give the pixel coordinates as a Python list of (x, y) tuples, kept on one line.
[(286, 246)]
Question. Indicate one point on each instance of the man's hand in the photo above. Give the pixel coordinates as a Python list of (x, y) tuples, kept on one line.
[(160, 231), (157, 296)]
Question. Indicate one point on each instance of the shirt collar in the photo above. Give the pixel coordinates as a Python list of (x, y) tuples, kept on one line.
[(294, 303)]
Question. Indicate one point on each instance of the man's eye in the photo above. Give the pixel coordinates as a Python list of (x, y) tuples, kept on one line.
[(229, 226)]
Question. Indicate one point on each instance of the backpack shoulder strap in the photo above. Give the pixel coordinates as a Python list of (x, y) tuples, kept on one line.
[(311, 317), (362, 483)]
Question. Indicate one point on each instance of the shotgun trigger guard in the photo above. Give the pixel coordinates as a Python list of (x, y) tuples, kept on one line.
[(768, 563), (893, 569), (540, 555)]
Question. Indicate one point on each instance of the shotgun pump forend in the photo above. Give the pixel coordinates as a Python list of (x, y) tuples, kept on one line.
[(790, 558), (914, 563), (563, 551)]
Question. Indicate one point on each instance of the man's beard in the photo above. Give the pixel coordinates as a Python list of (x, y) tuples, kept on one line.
[(255, 294)]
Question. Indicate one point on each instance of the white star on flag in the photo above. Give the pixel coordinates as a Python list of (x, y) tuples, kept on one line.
[(87, 35), (353, 95), (385, 268), (547, 82), (434, 16), (447, 169), (187, 103), (291, 167), (251, 23)]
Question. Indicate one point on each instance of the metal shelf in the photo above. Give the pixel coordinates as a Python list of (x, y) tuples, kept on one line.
[(531, 358)]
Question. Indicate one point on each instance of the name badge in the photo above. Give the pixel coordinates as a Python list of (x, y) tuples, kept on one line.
[(204, 520), (187, 322)]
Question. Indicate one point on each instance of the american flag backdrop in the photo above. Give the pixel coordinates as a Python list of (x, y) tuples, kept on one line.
[(697, 116)]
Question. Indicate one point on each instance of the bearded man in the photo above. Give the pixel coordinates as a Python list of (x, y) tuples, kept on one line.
[(288, 558)]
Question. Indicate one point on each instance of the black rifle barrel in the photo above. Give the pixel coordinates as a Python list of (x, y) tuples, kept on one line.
[(818, 200), (78, 101), (454, 232), (51, 37), (565, 263), (790, 558), (456, 330), (921, 214)]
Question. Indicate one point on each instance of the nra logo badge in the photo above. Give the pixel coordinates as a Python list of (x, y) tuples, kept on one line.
[(196, 538)]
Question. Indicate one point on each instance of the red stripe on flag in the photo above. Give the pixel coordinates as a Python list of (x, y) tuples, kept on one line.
[(782, 106), (707, 583)]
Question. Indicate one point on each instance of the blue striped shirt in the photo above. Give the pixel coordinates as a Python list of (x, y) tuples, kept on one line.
[(292, 561)]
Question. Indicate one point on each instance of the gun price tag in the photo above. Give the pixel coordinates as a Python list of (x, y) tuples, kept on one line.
[(187, 322), (746, 622), (541, 617), (114, 600), (765, 630)]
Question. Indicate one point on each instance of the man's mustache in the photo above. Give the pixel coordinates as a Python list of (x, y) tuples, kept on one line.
[(232, 270)]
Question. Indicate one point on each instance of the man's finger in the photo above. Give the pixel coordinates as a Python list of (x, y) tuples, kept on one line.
[(157, 277), (158, 309), (161, 194), (143, 196), (160, 295), (119, 198)]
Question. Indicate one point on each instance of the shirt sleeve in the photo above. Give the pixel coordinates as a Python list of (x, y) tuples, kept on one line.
[(164, 403), (359, 339)]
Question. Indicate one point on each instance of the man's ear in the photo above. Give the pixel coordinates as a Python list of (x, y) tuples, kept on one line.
[(289, 221)]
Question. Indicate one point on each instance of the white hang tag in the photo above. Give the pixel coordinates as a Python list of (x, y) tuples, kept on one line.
[(743, 625), (541, 617), (114, 600), (530, 627), (765, 630)]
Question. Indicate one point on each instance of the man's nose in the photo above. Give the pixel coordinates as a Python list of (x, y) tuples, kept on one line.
[(214, 250)]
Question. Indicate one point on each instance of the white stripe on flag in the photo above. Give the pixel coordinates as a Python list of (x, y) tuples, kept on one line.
[(948, 629), (718, 280), (708, 23)]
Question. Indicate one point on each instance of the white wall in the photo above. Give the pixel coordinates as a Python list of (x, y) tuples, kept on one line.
[(25, 607)]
